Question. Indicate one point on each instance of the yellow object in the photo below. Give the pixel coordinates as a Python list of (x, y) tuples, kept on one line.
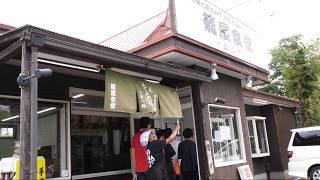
[(41, 168)]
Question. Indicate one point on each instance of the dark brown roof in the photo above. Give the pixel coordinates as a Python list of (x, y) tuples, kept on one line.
[(70, 46), (275, 99)]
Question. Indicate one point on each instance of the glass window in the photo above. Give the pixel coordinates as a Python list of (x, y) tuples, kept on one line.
[(252, 138), (49, 117), (258, 136), (7, 131), (99, 144), (307, 138), (88, 101), (225, 134), (84, 99)]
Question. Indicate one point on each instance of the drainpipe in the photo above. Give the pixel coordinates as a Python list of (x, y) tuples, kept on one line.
[(267, 167)]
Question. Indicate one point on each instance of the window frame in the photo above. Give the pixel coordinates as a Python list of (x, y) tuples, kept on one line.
[(95, 112), (240, 134), (65, 151), (253, 119), (14, 131)]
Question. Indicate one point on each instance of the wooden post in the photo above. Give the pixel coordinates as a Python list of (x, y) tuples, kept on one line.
[(25, 115), (29, 107), (34, 114)]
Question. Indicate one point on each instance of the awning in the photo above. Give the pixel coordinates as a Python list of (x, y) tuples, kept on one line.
[(124, 93)]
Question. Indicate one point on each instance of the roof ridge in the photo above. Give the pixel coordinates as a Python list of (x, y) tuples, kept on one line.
[(126, 30), (6, 27)]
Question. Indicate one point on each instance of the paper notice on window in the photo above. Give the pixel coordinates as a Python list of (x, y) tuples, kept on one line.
[(217, 136), (225, 133)]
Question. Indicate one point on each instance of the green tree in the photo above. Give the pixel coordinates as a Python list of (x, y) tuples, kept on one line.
[(295, 70)]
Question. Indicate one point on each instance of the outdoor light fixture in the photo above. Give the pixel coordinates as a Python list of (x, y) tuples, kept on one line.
[(9, 118), (260, 101), (68, 65), (214, 76), (39, 112), (219, 100), (67, 62), (249, 82), (152, 81), (77, 96), (22, 79)]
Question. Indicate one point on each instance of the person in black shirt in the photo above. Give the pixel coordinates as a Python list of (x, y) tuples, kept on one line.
[(188, 157), (155, 153), (169, 153)]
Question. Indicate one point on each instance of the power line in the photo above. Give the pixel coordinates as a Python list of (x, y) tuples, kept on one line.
[(268, 14), (237, 5)]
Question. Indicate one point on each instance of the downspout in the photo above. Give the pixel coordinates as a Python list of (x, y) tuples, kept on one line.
[(198, 115)]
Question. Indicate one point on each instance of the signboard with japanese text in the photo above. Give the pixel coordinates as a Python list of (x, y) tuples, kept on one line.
[(245, 172), (41, 169), (209, 156), (124, 93), (202, 21)]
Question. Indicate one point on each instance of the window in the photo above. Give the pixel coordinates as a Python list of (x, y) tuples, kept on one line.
[(84, 99), (8, 131), (258, 136), (100, 140), (99, 144), (226, 135), (307, 138), (51, 137)]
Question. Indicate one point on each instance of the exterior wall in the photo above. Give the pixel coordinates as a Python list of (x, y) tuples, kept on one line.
[(278, 123), (274, 144), (230, 89), (286, 121)]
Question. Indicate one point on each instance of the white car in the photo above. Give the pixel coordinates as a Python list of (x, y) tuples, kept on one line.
[(304, 153)]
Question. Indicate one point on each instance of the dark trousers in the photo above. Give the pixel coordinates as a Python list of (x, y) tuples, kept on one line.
[(179, 177), (190, 175), (141, 176), (157, 173)]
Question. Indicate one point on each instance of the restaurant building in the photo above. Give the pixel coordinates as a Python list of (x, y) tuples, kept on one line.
[(88, 110)]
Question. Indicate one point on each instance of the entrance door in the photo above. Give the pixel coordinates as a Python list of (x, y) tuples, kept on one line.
[(135, 123), (100, 140), (188, 120)]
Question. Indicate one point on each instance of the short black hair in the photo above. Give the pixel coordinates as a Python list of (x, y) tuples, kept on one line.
[(160, 132), (167, 132), (144, 122), (187, 133)]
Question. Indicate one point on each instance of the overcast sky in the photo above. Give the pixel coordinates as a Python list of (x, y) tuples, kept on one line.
[(95, 20)]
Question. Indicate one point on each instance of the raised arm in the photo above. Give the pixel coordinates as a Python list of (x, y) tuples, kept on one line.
[(174, 133)]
